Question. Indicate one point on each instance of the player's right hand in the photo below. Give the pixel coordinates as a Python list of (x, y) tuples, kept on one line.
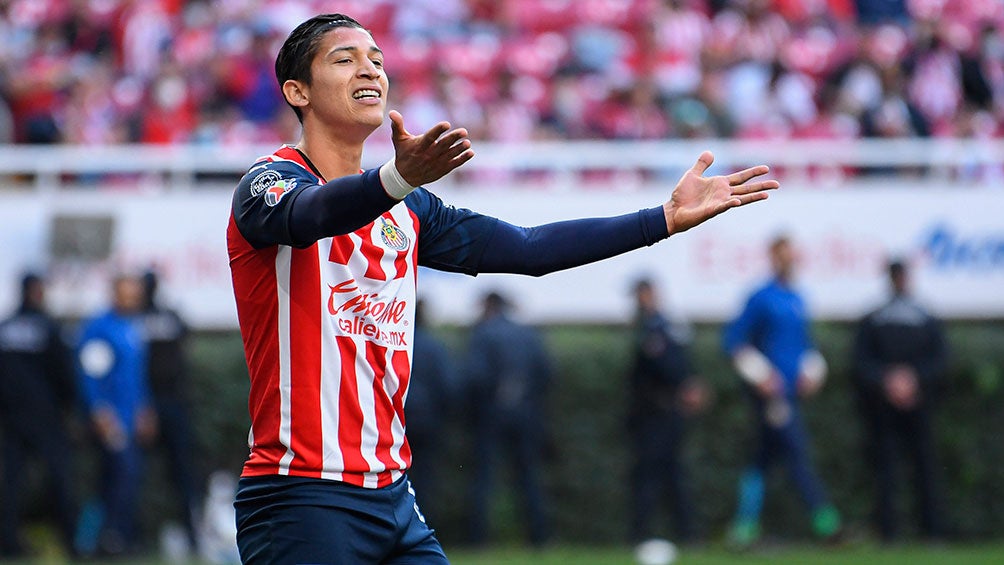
[(422, 159), (109, 429), (770, 387)]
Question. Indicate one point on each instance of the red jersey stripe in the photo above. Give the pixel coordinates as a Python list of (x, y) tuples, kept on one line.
[(253, 274), (383, 410), (341, 249), (350, 426), (402, 368), (370, 250)]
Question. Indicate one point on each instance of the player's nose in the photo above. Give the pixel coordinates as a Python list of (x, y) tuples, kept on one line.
[(368, 69)]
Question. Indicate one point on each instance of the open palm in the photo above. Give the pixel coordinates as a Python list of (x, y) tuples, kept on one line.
[(697, 198)]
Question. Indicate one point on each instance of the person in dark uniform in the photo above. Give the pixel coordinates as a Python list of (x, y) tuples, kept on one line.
[(36, 394), (168, 372), (508, 372), (665, 391), (432, 393), (901, 356)]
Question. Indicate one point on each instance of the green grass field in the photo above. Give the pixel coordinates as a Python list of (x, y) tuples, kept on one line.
[(979, 554), (800, 555)]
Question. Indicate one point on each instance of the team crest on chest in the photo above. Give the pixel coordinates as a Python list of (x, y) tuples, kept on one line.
[(393, 236)]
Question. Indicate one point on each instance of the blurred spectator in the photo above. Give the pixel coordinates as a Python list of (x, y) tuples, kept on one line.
[(771, 349), (37, 392), (179, 72), (901, 358), (432, 393), (168, 372), (881, 11), (507, 370), (665, 391), (111, 361)]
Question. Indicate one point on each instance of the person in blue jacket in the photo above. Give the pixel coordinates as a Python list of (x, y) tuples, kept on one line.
[(111, 361), (771, 349)]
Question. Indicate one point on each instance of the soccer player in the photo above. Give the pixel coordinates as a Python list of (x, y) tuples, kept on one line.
[(112, 375), (323, 260), (772, 351)]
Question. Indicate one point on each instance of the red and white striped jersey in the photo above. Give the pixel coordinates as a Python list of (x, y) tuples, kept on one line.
[(328, 327)]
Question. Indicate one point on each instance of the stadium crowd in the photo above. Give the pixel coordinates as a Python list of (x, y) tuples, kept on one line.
[(177, 71)]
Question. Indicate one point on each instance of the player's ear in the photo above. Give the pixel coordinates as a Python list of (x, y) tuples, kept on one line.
[(296, 93)]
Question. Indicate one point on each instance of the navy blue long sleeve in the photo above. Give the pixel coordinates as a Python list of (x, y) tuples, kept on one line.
[(338, 207), (280, 202), (561, 245)]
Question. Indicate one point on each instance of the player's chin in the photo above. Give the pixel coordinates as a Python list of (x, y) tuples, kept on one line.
[(372, 115)]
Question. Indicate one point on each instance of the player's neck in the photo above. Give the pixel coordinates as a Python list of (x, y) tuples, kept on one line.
[(333, 159)]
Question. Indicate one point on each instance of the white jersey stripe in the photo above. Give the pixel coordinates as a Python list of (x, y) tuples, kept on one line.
[(357, 261), (283, 259)]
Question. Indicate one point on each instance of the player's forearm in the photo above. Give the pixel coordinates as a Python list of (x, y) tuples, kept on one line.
[(338, 207), (562, 245)]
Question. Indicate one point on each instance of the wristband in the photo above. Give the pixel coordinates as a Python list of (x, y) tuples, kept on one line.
[(812, 366), (752, 365), (393, 183)]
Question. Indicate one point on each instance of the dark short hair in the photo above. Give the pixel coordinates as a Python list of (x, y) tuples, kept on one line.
[(779, 240), (28, 280), (642, 284), (299, 49), (897, 267), (495, 300)]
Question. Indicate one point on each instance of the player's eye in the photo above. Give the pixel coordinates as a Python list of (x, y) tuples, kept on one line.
[(378, 63)]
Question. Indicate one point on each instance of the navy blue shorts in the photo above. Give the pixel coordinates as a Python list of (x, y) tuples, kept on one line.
[(299, 521)]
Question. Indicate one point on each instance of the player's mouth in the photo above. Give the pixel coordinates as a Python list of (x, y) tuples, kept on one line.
[(367, 95)]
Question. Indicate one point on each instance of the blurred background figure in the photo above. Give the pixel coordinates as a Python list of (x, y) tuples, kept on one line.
[(901, 357), (168, 372), (770, 347), (508, 371), (665, 391), (111, 362), (37, 393), (432, 392)]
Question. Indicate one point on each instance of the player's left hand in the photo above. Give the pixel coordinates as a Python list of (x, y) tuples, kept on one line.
[(808, 386), (697, 198)]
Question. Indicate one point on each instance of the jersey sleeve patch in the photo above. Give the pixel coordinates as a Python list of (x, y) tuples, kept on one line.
[(262, 199), (272, 185)]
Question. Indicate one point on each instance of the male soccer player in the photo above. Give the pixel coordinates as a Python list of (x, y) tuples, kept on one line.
[(323, 260), (773, 352)]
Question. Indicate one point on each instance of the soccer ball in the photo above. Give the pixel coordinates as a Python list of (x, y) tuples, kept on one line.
[(655, 552)]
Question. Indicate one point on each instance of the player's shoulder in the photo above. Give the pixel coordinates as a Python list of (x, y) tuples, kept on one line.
[(269, 171)]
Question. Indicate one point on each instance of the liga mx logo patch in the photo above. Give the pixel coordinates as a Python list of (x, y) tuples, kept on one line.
[(393, 237), (275, 193)]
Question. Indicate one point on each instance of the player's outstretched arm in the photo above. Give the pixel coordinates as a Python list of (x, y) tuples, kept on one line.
[(422, 159), (697, 198)]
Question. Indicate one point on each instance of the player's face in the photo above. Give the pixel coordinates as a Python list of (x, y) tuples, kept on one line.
[(782, 259), (128, 294), (348, 84)]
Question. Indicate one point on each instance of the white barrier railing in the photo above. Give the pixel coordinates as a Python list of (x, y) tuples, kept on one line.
[(554, 163)]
